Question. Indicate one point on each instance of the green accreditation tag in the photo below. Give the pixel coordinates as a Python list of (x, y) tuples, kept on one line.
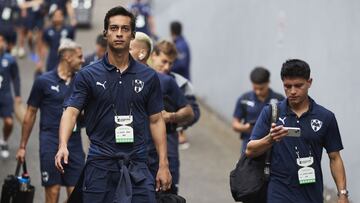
[(124, 133), (306, 175)]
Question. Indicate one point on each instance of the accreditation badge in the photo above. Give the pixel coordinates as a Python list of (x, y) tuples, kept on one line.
[(124, 132), (306, 174)]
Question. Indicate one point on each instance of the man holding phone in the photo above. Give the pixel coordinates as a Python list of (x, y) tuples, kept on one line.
[(250, 104), (295, 172)]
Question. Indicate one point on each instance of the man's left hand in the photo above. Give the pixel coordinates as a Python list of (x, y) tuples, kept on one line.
[(163, 179)]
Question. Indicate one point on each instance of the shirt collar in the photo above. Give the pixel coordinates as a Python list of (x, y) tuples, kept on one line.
[(268, 98), (284, 107), (132, 64), (56, 75)]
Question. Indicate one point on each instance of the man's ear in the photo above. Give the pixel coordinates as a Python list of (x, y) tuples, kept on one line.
[(142, 54), (310, 82), (104, 33)]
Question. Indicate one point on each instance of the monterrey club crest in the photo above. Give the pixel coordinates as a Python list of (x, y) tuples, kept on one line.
[(316, 124), (138, 85)]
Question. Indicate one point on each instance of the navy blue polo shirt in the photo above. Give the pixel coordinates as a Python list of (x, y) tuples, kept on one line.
[(47, 94), (9, 73), (101, 91), (248, 108), (52, 38), (142, 11), (319, 129), (90, 59), (182, 62), (170, 89)]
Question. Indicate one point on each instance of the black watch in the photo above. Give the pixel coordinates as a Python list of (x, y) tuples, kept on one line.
[(344, 192)]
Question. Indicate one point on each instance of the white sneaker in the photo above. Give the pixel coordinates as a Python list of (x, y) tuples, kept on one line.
[(4, 149), (21, 52), (184, 146)]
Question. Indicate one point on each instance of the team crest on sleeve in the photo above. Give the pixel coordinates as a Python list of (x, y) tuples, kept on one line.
[(316, 124), (138, 85)]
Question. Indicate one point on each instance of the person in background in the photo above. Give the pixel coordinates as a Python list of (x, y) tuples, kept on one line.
[(52, 37), (100, 49), (9, 73), (182, 63), (47, 95), (144, 20), (162, 57), (250, 104)]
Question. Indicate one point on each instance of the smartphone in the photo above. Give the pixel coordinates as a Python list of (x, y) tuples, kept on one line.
[(293, 132)]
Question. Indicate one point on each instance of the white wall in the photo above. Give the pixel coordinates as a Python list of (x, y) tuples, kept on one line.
[(228, 38)]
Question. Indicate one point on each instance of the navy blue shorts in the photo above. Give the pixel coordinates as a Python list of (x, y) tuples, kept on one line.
[(51, 176), (34, 21), (174, 167), (99, 186), (6, 107)]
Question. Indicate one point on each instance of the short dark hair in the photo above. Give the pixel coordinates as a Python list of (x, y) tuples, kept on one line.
[(100, 40), (260, 75), (119, 10), (295, 68), (176, 28)]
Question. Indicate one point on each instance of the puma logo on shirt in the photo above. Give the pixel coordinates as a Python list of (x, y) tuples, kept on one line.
[(101, 84), (55, 88), (282, 120)]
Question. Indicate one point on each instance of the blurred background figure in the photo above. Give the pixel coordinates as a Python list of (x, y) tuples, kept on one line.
[(52, 37), (177, 111), (65, 6), (181, 66), (30, 29), (144, 20), (250, 104), (9, 18), (9, 73), (100, 49), (182, 62)]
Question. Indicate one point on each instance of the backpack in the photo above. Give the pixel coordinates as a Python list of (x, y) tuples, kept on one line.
[(248, 181)]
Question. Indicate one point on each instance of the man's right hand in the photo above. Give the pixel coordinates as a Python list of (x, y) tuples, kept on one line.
[(61, 155), (20, 155), (277, 132)]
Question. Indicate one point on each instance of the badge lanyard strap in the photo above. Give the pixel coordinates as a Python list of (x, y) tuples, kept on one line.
[(298, 153)]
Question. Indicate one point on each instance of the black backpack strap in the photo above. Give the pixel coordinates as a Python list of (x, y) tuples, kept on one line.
[(243, 105), (273, 118)]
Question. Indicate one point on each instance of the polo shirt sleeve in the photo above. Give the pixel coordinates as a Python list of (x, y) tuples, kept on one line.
[(36, 93), (176, 94), (262, 125), (239, 109), (155, 98), (79, 92), (332, 139)]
